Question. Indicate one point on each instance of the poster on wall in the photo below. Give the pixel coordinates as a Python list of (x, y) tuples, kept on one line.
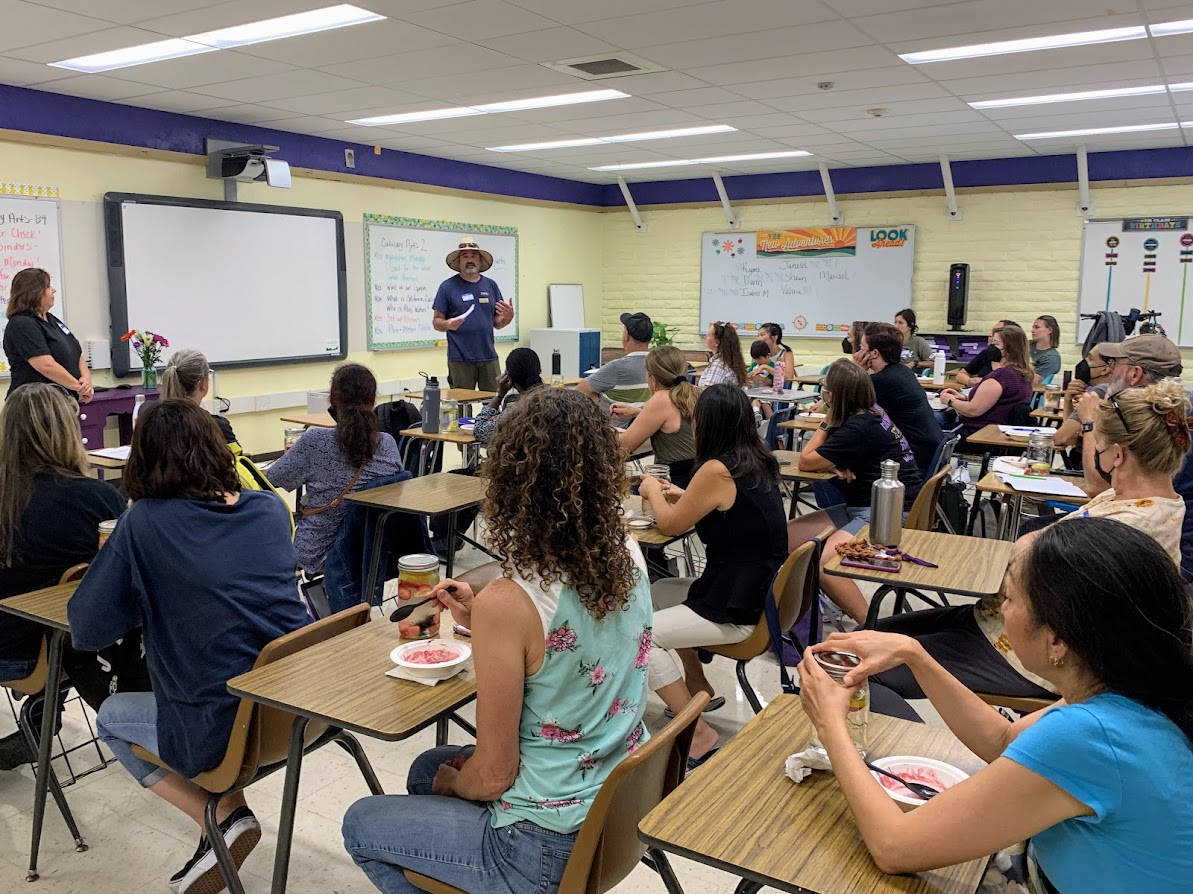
[(813, 281), (30, 236)]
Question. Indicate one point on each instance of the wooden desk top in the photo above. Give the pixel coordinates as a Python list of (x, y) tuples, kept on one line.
[(971, 566), (46, 606), (428, 495), (697, 364), (342, 681), (789, 468), (953, 383), (807, 380), (743, 815), (105, 462), (311, 420), (651, 535), (990, 436), (992, 484), (787, 395), (800, 422), (1047, 414), (459, 395), (448, 437)]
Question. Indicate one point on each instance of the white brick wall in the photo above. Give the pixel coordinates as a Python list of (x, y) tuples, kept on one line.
[(1023, 248)]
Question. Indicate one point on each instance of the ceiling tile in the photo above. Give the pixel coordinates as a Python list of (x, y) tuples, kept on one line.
[(901, 111), (706, 20), (310, 124), (571, 12), (226, 15), (85, 44), (349, 44), (811, 66), (480, 19), (738, 113), (299, 82), (28, 24), (867, 8), (355, 100), (1060, 80), (550, 45), (1044, 60), (96, 87), (247, 113), (490, 85), (862, 98), (396, 69), (126, 11), (178, 101), (633, 123), (611, 108), (653, 83), (20, 73), (758, 45), (198, 71), (700, 96), (984, 21), (1112, 110)]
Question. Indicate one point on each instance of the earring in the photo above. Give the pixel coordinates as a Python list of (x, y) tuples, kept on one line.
[(1055, 661)]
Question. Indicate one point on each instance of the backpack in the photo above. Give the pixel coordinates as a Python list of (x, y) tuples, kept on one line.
[(252, 478)]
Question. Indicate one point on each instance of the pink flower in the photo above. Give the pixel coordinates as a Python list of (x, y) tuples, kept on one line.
[(161, 341), (561, 639), (622, 706), (644, 643), (597, 675), (553, 732), (634, 740)]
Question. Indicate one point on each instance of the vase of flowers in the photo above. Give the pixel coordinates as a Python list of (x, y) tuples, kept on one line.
[(148, 346)]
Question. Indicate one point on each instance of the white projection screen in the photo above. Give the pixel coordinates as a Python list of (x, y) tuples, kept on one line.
[(245, 284)]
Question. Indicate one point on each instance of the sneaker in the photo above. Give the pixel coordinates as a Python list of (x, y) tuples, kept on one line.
[(14, 752), (202, 875)]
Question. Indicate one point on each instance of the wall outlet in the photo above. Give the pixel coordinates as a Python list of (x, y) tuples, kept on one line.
[(349, 158)]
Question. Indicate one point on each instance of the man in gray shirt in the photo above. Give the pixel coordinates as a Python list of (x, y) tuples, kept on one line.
[(624, 380)]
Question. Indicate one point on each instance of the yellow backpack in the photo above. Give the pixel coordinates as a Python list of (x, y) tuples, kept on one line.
[(252, 478)]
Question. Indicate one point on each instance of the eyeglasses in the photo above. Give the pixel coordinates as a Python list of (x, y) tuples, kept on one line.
[(1121, 417)]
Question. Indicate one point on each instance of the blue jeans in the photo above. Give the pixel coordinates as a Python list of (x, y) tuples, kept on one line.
[(127, 719), (450, 839), (13, 669)]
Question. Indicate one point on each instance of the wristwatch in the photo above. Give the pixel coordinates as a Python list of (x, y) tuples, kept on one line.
[(1086, 427), (824, 426)]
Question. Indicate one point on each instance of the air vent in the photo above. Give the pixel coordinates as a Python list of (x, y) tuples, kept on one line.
[(598, 68)]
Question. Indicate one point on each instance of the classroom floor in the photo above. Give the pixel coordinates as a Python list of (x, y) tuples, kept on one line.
[(136, 841)]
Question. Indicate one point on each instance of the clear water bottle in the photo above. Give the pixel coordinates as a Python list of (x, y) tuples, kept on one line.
[(431, 406), (1039, 452), (556, 369), (886, 506), (837, 665), (138, 405)]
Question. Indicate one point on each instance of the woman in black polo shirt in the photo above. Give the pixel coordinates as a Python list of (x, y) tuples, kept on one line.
[(38, 345)]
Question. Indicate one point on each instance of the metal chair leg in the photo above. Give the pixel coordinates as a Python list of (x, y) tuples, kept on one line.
[(352, 745), (281, 856), (25, 723), (49, 716), (744, 681), (660, 864), (216, 839)]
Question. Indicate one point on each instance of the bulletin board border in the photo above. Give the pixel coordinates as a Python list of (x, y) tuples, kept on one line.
[(416, 223)]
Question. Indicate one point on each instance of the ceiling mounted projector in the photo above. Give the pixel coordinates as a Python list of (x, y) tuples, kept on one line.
[(245, 163)]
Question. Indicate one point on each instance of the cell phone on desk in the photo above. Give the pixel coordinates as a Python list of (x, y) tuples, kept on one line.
[(888, 565)]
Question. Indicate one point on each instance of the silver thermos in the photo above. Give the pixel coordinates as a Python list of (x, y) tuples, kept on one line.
[(886, 506)]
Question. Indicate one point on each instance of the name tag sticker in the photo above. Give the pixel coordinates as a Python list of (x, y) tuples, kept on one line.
[(468, 297), (62, 326), (484, 299)]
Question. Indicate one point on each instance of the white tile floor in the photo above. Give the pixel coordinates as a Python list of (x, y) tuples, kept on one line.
[(137, 841)]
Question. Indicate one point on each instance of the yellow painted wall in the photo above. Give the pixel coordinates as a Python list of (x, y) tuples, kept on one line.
[(1023, 247), (555, 245)]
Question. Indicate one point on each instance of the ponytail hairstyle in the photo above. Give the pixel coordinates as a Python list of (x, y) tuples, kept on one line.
[(353, 395), (908, 316), (1158, 416), (729, 349), (670, 370), (777, 331), (184, 373), (1118, 601)]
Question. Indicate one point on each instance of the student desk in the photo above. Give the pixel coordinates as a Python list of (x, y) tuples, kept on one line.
[(429, 495), (741, 814), (465, 397), (1008, 524), (48, 608), (969, 566), (103, 464), (786, 396), (1048, 417), (989, 437), (465, 439), (813, 381), (311, 420), (342, 682), (789, 471), (953, 383), (652, 536)]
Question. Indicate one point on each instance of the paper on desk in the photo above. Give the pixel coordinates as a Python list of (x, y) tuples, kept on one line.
[(113, 452), (1049, 485), (463, 316), (813, 416), (1021, 431), (400, 673)]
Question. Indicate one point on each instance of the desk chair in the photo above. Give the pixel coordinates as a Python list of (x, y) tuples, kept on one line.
[(260, 743), (607, 846)]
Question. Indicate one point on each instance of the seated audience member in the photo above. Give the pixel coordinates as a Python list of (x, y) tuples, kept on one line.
[(188, 377), (560, 645), (853, 442), (982, 365), (624, 380), (1096, 381), (990, 401), (772, 334), (727, 365), (208, 571), (333, 462), (523, 372), (899, 393), (1045, 358), (761, 370), (1101, 783), (735, 505), (852, 343), (50, 512), (917, 353), (1140, 440), (666, 419)]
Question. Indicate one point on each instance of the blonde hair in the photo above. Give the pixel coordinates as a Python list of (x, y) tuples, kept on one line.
[(1015, 351), (1158, 418), (183, 374), (39, 432), (670, 370)]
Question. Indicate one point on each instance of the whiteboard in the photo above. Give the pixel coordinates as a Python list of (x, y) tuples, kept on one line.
[(245, 284), (567, 305), (405, 261), (1139, 262), (30, 236), (814, 282)]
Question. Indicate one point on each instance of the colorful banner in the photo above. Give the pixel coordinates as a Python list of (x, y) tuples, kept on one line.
[(818, 242)]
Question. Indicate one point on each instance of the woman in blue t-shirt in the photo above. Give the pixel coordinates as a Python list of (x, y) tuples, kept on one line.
[(1102, 783)]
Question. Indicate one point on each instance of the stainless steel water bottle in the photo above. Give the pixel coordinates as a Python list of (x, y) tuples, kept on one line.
[(886, 506), (431, 406)]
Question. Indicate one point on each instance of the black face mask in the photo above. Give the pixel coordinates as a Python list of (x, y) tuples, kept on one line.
[(1081, 371), (1105, 473), (994, 353), (331, 411)]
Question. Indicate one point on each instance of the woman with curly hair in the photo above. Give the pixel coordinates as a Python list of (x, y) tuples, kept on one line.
[(734, 503), (560, 644)]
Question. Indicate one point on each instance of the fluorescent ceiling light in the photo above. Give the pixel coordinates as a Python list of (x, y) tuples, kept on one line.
[(1092, 131), (316, 20), (621, 138), (238, 36), (1027, 45), (754, 156), (546, 102), (1167, 29), (145, 53), (1068, 97), (408, 117)]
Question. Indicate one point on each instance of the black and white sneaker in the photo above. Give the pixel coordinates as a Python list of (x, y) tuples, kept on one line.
[(201, 874)]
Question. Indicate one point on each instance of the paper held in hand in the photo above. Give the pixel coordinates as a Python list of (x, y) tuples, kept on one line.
[(463, 316)]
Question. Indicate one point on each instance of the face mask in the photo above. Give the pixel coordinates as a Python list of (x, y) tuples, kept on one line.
[(995, 354), (331, 411), (1105, 473), (1082, 371)]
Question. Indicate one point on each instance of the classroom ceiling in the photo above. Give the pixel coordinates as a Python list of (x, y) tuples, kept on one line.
[(754, 65)]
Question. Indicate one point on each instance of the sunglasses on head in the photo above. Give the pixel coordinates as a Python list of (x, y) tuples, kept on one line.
[(1121, 417)]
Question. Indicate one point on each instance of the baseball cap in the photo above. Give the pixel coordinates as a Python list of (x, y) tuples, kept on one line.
[(1153, 353), (639, 326)]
